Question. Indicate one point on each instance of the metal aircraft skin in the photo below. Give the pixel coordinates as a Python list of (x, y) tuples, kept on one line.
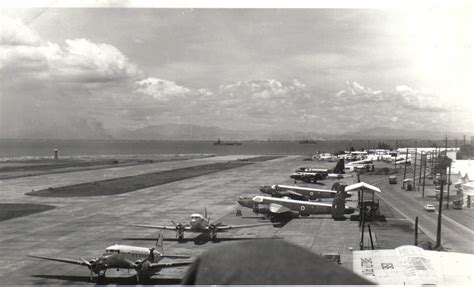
[(280, 206), (145, 261), (297, 192), (201, 224)]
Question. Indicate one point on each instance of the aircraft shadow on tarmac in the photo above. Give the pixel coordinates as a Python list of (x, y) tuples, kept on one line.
[(109, 280)]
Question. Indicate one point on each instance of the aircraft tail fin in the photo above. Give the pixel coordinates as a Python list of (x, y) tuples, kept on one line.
[(159, 242)]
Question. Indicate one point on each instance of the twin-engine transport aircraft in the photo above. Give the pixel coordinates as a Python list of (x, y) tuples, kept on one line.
[(298, 192), (144, 260), (201, 224), (284, 206)]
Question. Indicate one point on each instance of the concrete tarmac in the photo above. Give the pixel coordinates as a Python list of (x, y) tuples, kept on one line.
[(85, 226)]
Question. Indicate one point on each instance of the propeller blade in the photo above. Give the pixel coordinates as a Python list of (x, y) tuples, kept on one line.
[(174, 223)]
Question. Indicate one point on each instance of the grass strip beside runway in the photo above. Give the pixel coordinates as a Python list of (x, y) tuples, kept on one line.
[(13, 210), (132, 183)]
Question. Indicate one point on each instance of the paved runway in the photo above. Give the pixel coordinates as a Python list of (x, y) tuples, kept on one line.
[(85, 226)]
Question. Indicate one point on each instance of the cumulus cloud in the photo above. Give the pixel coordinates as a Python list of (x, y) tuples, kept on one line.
[(14, 32), (60, 90), (161, 89), (423, 100), (78, 60), (357, 93)]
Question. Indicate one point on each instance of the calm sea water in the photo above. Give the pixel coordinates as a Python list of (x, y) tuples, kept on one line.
[(38, 148), (42, 148)]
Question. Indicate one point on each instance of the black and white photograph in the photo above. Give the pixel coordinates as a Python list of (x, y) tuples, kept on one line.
[(236, 142)]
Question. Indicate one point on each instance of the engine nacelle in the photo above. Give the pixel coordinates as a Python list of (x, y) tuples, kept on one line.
[(144, 271), (261, 208)]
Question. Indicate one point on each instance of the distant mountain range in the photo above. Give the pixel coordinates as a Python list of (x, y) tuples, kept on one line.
[(203, 133), (391, 133)]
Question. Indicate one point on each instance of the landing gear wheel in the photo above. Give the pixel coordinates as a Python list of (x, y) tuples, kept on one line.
[(180, 237), (101, 278)]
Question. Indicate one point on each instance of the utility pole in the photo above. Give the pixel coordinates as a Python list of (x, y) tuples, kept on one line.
[(396, 153), (446, 146), (424, 178), (406, 160), (414, 169), (421, 163), (433, 158), (440, 209), (442, 166), (449, 183), (416, 231)]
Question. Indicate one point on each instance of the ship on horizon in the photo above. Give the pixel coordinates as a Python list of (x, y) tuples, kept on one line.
[(220, 142), (308, 141)]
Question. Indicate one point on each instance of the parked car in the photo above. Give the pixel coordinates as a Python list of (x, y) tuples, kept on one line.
[(430, 207), (457, 204), (392, 179)]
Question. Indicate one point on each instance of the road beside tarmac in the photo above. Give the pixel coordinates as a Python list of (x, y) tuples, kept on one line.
[(457, 225)]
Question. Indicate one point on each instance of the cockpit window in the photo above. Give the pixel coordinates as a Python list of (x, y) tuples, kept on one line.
[(258, 199)]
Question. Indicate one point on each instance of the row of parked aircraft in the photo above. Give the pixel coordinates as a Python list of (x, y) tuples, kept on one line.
[(295, 201), (283, 201), (146, 261)]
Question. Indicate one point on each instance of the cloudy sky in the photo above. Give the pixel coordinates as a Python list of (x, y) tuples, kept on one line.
[(91, 72)]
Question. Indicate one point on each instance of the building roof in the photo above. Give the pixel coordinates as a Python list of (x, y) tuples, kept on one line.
[(465, 168), (362, 184), (414, 266)]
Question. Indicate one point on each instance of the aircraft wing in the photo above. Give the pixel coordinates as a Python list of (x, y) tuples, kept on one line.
[(154, 226), (170, 264), (277, 208), (294, 189), (292, 192), (227, 227), (175, 256), (70, 261), (338, 175)]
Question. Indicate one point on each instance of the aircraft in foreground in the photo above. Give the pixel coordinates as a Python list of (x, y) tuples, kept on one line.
[(275, 207), (298, 192), (145, 261), (200, 224)]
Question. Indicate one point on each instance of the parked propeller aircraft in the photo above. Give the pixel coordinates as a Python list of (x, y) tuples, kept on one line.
[(338, 176), (145, 261), (298, 192), (201, 224), (272, 206), (311, 177)]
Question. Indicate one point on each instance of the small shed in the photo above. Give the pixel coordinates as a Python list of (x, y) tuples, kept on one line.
[(407, 184)]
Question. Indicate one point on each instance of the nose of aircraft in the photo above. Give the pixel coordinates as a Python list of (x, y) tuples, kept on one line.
[(245, 201), (265, 189)]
